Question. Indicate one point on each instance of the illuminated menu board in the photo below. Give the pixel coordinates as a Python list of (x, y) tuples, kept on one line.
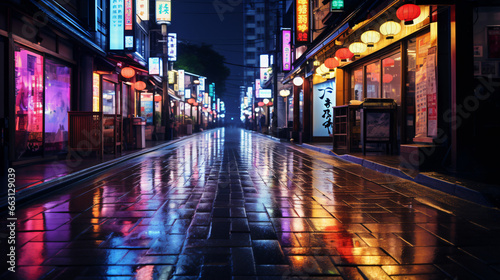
[(302, 21)]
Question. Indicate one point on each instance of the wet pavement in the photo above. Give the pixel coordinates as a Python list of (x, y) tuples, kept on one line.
[(232, 204)]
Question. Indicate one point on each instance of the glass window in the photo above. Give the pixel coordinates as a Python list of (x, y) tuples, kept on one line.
[(357, 84), (373, 80), (391, 78), (29, 103), (108, 97), (57, 105)]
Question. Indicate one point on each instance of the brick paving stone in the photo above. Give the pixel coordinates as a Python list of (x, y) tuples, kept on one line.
[(232, 204)]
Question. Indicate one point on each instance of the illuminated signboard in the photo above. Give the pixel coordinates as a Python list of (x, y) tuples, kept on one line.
[(129, 42), (201, 88), (287, 49), (218, 105), (257, 88), (264, 65), (155, 66), (337, 5), (302, 21), (211, 89), (142, 9), (249, 92), (172, 46), (181, 80), (187, 93), (116, 25), (163, 11), (265, 93), (128, 15)]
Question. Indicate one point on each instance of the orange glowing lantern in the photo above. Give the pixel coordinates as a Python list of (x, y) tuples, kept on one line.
[(387, 78), (408, 13), (344, 54), (140, 85), (128, 72), (191, 100), (260, 104), (157, 98), (331, 63)]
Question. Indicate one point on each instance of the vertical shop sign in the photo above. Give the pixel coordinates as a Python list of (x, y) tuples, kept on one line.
[(257, 88), (142, 7), (180, 80), (116, 25), (302, 21), (128, 15), (323, 103), (264, 65), (286, 36), (163, 11), (172, 46), (431, 93)]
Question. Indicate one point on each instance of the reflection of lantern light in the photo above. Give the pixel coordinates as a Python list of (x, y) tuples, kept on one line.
[(140, 85), (388, 62), (128, 72), (408, 13), (344, 54), (331, 63), (297, 81), (370, 37), (260, 104), (157, 97), (390, 28), (387, 78), (357, 48)]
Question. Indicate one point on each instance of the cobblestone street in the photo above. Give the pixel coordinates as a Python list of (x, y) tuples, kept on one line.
[(232, 204)]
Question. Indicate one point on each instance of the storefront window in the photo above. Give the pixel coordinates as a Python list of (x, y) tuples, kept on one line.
[(410, 89), (29, 103), (373, 80), (357, 84), (126, 95), (391, 78), (108, 97), (57, 96)]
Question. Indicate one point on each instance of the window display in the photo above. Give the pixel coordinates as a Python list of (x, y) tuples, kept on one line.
[(108, 97), (391, 77), (57, 106), (29, 103), (357, 85), (373, 80)]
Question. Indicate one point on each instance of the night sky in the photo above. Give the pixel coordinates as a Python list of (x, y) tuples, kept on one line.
[(198, 22)]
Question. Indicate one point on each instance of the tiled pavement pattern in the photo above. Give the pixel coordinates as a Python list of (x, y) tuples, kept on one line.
[(231, 204)]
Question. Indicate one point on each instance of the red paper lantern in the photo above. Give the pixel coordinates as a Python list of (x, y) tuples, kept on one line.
[(128, 72), (270, 104), (157, 98), (343, 54), (191, 100), (387, 78), (408, 13), (388, 62), (331, 63), (260, 104), (140, 85), (195, 104)]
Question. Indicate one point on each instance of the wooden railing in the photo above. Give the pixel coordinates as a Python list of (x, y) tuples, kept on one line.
[(92, 131)]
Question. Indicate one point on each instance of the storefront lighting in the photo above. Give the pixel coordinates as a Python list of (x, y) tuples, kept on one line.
[(344, 54), (357, 48), (370, 37), (297, 81), (408, 13), (389, 29), (331, 63), (140, 85), (128, 72)]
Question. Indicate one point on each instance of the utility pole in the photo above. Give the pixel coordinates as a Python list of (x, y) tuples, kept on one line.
[(166, 96)]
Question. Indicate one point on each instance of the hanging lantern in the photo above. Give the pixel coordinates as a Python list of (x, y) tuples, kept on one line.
[(128, 72), (370, 37), (157, 98), (284, 92), (331, 63), (316, 63), (344, 54), (260, 104), (318, 71), (324, 69), (387, 78), (266, 101), (298, 81), (389, 29), (388, 62), (195, 104), (270, 104), (408, 13), (140, 85), (357, 48), (191, 100)]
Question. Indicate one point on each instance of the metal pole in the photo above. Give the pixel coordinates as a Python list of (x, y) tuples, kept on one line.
[(166, 97)]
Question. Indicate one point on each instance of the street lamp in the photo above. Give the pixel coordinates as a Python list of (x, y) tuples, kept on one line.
[(285, 93), (163, 18)]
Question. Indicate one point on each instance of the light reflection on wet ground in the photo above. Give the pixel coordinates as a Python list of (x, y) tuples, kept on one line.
[(230, 203)]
